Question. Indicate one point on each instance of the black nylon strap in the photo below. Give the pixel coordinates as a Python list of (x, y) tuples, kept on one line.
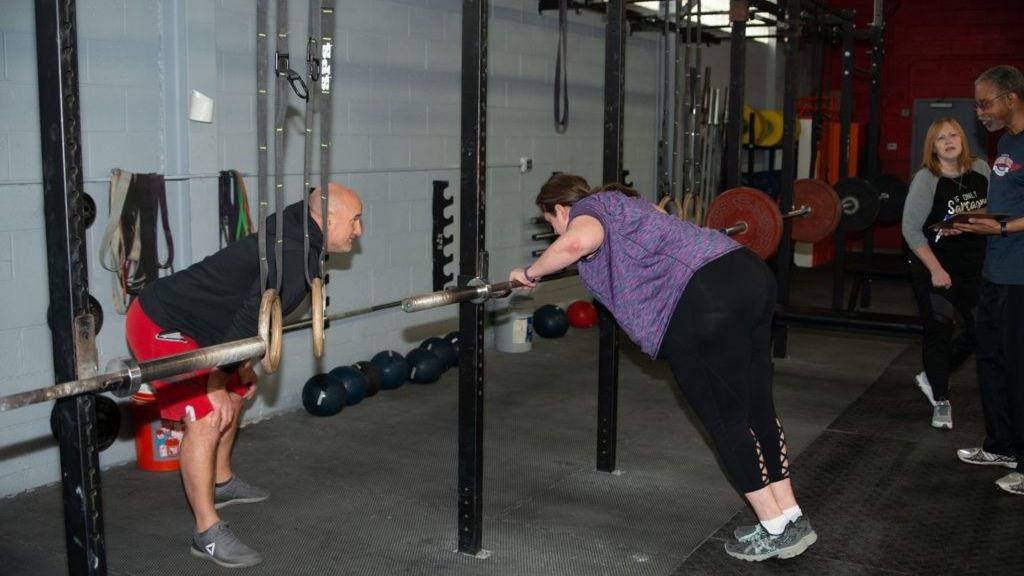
[(280, 110), (262, 85), (160, 204), (561, 61), (326, 55), (312, 103), (224, 207)]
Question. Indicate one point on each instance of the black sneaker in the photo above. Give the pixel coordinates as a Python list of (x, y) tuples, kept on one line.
[(219, 544), (762, 545)]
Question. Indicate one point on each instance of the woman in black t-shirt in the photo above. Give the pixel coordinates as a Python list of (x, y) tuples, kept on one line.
[(945, 269)]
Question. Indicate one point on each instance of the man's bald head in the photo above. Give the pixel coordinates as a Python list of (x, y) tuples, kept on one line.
[(345, 211)]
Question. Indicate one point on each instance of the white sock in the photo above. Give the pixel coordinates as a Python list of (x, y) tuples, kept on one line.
[(793, 513), (775, 526)]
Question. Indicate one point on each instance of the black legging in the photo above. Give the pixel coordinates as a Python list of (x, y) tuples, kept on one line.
[(718, 346), (941, 351)]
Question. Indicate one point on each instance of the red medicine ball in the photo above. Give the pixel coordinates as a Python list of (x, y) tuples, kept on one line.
[(581, 314)]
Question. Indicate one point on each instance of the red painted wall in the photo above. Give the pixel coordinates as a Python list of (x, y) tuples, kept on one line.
[(933, 49)]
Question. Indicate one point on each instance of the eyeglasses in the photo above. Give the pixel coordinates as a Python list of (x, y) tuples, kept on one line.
[(987, 103)]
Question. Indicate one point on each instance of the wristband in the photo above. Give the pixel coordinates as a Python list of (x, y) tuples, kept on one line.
[(1002, 228), (527, 276)]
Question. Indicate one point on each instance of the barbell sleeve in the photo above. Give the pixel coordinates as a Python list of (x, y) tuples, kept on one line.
[(477, 293), (801, 211), (444, 298), (127, 379), (737, 228)]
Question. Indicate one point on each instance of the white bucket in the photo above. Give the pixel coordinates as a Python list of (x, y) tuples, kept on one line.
[(513, 326)]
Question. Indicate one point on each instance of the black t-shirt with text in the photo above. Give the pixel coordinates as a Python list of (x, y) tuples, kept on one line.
[(965, 253)]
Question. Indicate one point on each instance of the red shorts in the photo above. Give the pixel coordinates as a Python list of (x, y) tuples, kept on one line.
[(180, 399)]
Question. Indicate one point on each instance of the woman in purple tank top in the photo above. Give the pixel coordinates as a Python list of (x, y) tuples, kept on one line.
[(699, 300)]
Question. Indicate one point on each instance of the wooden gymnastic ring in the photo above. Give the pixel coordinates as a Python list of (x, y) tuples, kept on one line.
[(270, 330), (318, 301), (663, 206), (686, 209)]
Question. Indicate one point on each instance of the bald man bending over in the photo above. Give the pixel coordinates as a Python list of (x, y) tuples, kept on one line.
[(214, 301)]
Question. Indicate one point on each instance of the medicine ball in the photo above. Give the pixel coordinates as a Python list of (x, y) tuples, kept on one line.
[(373, 376), (424, 366), (323, 395), (354, 382), (581, 314), (550, 322), (108, 421), (453, 337), (444, 350), (393, 369)]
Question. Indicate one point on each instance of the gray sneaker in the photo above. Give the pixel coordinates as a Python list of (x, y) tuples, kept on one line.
[(237, 491), (762, 545), (981, 457), (748, 533), (925, 386), (942, 415), (219, 544)]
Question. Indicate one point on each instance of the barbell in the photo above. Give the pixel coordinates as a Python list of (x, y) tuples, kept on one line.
[(123, 377)]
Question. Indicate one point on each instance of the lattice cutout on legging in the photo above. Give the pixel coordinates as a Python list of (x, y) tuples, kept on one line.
[(783, 454), (762, 465)]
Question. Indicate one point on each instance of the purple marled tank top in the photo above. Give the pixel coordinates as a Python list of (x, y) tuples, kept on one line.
[(644, 263)]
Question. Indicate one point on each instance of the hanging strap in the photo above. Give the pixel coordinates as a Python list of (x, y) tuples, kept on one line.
[(112, 248), (561, 61), (326, 49), (285, 76), (159, 189), (225, 207), (138, 224), (243, 222), (312, 102), (262, 85)]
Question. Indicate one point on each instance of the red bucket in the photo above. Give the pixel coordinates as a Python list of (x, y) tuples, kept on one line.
[(156, 446)]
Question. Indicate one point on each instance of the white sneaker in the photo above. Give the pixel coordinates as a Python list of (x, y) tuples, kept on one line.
[(925, 386), (981, 457), (1012, 483), (942, 415)]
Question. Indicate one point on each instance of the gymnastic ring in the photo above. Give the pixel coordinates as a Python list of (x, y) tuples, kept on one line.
[(270, 327), (318, 302), (687, 208), (663, 206)]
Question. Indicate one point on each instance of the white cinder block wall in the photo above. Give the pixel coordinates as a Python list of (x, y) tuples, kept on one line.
[(395, 129)]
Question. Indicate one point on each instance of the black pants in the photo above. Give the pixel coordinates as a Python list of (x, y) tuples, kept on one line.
[(1001, 368), (718, 346), (943, 352)]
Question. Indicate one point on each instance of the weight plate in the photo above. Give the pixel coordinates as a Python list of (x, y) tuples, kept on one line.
[(859, 201), (892, 194), (752, 114), (825, 210), (756, 210), (108, 421), (88, 210), (97, 312)]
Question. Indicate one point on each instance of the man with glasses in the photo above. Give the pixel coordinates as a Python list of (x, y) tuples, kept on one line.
[(999, 95)]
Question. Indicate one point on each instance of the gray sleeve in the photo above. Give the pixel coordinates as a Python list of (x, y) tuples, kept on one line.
[(919, 203), (981, 167)]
